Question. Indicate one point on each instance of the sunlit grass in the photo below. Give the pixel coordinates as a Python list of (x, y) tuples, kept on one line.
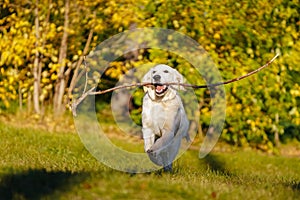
[(42, 165)]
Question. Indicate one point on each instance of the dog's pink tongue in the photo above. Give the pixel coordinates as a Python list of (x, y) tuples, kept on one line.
[(159, 87)]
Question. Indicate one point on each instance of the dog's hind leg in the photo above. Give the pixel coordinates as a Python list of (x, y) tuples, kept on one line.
[(168, 168)]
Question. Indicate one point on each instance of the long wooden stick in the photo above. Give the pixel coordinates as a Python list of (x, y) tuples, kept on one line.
[(90, 91), (189, 85)]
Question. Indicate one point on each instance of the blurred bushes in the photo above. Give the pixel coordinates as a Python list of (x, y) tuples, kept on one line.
[(240, 36)]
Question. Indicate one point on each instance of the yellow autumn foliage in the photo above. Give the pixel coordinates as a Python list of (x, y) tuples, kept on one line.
[(239, 36)]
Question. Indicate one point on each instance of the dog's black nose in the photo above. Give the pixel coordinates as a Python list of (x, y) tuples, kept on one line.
[(156, 77)]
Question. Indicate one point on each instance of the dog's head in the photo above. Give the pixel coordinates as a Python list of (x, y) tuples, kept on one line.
[(158, 76)]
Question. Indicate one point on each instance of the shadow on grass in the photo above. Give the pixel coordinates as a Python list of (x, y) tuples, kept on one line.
[(295, 186), (35, 184), (216, 165)]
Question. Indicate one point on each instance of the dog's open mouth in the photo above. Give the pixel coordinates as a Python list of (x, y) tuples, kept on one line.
[(160, 89)]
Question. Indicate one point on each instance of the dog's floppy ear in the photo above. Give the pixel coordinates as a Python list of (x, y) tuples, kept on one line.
[(178, 78), (147, 79)]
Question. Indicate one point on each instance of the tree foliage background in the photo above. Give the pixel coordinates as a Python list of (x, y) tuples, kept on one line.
[(42, 44)]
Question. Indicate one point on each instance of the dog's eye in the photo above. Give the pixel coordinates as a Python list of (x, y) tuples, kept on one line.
[(154, 72), (166, 71)]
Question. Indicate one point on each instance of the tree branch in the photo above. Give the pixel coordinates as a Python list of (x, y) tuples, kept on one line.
[(79, 100), (90, 92)]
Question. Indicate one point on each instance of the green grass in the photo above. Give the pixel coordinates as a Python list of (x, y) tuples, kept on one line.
[(41, 165)]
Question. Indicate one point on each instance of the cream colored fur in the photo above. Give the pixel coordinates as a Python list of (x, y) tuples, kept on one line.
[(164, 119)]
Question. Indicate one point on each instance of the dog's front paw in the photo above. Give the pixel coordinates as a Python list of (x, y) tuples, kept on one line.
[(149, 151)]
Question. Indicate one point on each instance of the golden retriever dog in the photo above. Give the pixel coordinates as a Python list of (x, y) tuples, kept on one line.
[(163, 117)]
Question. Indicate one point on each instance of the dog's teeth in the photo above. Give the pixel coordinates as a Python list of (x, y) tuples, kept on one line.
[(160, 88)]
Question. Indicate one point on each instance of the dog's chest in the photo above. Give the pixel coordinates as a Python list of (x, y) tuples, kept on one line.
[(163, 115)]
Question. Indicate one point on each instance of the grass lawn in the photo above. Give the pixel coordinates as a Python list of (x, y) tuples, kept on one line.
[(38, 164)]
